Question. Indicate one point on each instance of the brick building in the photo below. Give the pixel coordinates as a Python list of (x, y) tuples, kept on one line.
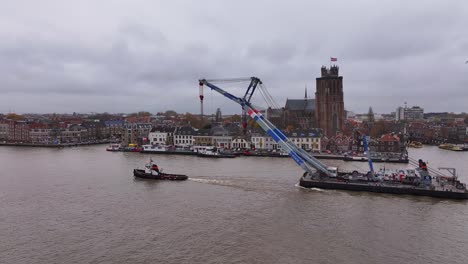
[(329, 101)]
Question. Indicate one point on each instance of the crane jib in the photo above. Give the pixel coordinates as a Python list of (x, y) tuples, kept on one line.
[(296, 158), (306, 161)]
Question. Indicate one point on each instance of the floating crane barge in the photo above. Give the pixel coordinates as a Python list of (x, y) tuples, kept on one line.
[(317, 175)]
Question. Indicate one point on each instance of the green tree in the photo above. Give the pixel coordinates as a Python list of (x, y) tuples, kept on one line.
[(194, 120), (235, 118), (170, 113)]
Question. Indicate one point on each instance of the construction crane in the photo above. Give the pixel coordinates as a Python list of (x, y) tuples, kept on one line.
[(306, 161)]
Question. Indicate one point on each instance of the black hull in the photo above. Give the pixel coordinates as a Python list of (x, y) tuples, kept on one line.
[(221, 156), (162, 176), (187, 153), (381, 189), (266, 155)]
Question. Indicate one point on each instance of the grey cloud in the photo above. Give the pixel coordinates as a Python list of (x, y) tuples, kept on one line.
[(389, 52)]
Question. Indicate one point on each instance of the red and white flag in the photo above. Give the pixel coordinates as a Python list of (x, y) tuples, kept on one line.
[(333, 59)]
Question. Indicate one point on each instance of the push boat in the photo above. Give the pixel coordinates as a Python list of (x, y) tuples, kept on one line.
[(152, 171)]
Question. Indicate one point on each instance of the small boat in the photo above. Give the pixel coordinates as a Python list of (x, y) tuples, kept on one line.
[(152, 171), (114, 147), (452, 147), (415, 144)]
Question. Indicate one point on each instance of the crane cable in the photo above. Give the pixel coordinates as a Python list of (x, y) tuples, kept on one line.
[(271, 101)]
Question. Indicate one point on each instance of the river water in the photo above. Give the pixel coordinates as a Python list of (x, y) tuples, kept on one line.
[(82, 205)]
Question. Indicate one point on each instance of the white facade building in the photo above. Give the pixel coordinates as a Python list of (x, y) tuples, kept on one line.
[(240, 143), (413, 113), (183, 136), (222, 141), (264, 142), (160, 137)]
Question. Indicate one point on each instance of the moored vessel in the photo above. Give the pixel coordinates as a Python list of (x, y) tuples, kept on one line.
[(114, 147), (453, 147), (212, 152), (164, 149), (415, 144)]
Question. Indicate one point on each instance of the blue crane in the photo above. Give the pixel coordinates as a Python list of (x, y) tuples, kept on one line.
[(306, 161)]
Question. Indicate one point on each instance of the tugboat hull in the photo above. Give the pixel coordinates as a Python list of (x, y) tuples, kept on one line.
[(162, 176), (378, 188)]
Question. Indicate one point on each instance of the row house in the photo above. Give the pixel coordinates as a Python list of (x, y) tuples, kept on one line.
[(114, 128), (135, 133), (222, 141), (240, 142), (161, 135), (203, 137), (183, 136), (263, 141), (18, 131), (3, 130), (339, 143), (356, 145), (309, 140), (74, 134), (96, 130), (221, 137), (386, 143), (41, 134)]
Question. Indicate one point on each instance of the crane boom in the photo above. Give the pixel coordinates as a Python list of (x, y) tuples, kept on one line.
[(306, 161)]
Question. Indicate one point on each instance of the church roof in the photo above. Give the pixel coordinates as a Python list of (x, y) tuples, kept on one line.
[(300, 105)]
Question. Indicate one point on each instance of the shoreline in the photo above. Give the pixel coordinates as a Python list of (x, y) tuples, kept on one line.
[(33, 145)]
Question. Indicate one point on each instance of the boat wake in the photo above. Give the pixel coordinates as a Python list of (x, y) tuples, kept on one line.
[(210, 181), (310, 189)]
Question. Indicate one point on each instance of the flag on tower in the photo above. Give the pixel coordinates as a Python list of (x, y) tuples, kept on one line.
[(333, 59)]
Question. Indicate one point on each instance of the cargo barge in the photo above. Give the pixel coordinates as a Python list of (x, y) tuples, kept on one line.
[(409, 182)]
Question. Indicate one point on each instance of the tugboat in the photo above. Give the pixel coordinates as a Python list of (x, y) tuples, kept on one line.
[(152, 171)]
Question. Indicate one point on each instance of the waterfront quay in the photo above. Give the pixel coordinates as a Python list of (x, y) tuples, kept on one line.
[(58, 145)]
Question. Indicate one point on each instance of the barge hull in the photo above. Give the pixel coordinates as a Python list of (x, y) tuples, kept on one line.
[(381, 189)]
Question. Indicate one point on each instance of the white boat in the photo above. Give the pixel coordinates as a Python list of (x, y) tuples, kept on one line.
[(212, 152), (155, 148), (114, 147)]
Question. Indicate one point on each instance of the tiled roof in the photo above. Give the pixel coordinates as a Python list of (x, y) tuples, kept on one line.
[(300, 105)]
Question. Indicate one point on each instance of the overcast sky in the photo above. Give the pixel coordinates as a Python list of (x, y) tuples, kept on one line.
[(126, 56)]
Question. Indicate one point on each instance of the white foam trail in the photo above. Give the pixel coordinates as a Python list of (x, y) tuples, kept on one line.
[(311, 189), (212, 181)]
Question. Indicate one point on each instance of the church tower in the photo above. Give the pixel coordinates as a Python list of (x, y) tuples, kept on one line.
[(329, 102)]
